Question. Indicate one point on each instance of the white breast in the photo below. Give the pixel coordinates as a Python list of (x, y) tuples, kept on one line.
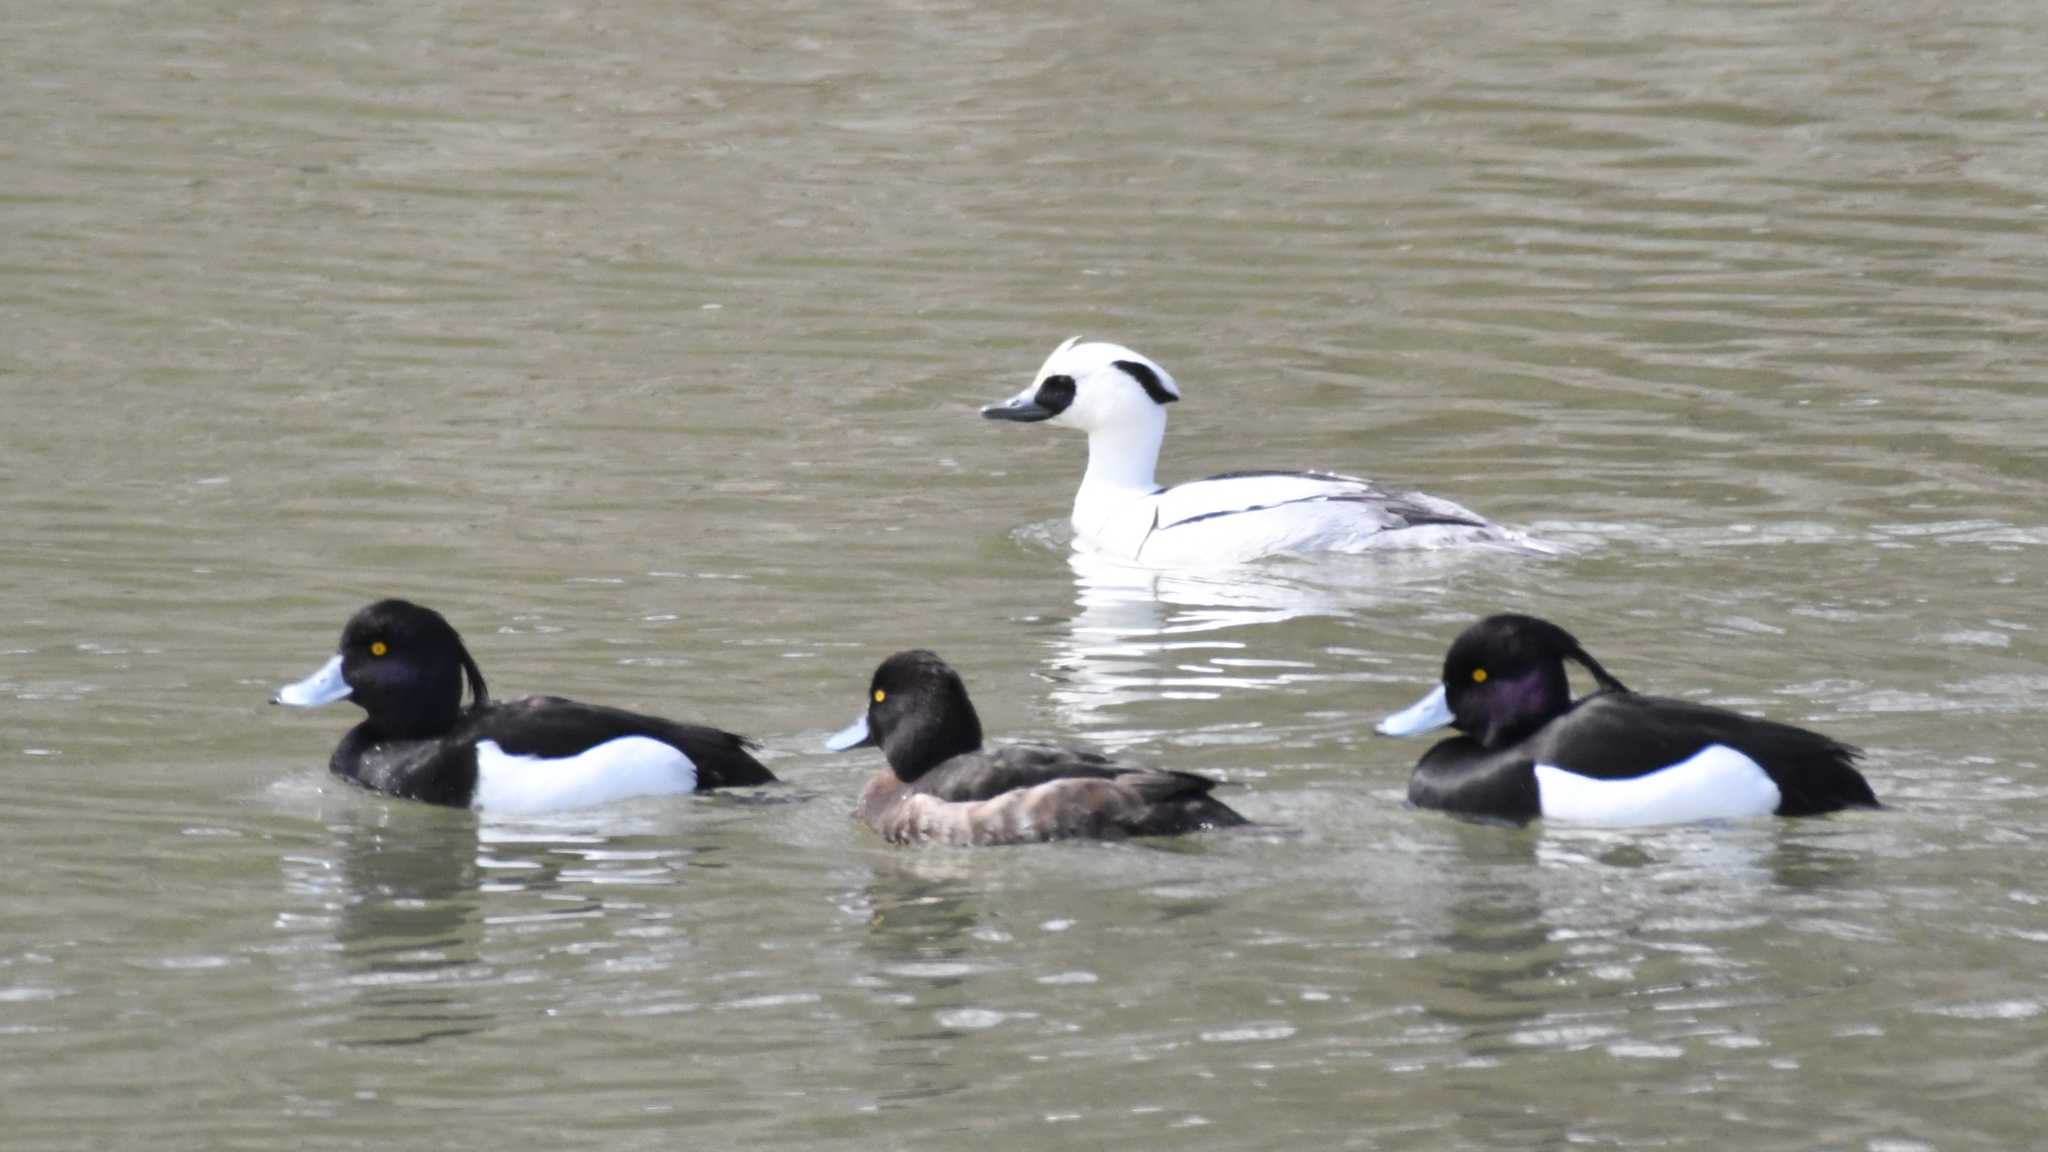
[(1716, 783), (509, 785)]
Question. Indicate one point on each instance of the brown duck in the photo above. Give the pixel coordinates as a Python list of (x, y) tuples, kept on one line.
[(941, 785)]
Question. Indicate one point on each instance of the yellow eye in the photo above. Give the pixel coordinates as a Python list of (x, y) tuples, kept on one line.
[(880, 695), (1479, 675), (377, 648)]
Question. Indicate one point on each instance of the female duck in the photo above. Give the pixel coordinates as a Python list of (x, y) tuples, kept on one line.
[(1612, 758), (405, 666), (1119, 398), (942, 785)]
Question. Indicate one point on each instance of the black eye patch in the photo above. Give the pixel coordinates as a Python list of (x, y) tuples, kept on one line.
[(1148, 380), (1055, 393)]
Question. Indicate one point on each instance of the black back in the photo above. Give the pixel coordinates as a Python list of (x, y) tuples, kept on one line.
[(1615, 736), (551, 727)]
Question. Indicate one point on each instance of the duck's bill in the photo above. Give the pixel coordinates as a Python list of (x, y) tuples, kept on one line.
[(322, 687), (1425, 715), (1021, 409), (854, 735)]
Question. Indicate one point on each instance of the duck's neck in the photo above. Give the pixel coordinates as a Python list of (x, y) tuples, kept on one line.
[(415, 718), (1121, 461)]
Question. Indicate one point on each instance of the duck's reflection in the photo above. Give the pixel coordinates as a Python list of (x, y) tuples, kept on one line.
[(1496, 956), (1146, 634), (409, 922), (1553, 936), (412, 894), (1551, 939), (923, 910)]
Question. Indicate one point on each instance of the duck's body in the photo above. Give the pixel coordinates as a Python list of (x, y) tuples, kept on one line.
[(1119, 398), (1021, 793), (406, 667), (545, 753), (1612, 758), (1620, 758), (1242, 516), (942, 786)]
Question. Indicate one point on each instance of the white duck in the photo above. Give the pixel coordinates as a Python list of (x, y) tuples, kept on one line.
[(1119, 398)]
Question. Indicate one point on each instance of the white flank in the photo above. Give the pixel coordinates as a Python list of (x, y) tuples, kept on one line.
[(1217, 523), (1238, 493), (1717, 783), (614, 770)]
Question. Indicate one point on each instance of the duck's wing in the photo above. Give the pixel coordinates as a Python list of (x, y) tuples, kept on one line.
[(551, 728), (1624, 736), (987, 774), (1233, 493), (1025, 792)]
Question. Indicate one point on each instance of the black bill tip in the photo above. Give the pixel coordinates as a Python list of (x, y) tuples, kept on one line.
[(1018, 412)]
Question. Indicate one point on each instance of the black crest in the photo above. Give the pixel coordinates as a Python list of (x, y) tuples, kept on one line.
[(1148, 380)]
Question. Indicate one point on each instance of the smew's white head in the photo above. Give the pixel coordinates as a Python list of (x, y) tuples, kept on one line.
[(1116, 396), (1092, 386)]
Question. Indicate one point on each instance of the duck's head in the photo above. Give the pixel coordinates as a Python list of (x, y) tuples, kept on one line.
[(1092, 386), (1503, 679), (403, 664), (917, 711)]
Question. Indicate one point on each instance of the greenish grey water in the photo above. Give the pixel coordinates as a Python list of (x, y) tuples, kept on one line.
[(645, 342)]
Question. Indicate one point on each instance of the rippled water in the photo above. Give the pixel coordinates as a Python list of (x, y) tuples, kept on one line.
[(646, 343)]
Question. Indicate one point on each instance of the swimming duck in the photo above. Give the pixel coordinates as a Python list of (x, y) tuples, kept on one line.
[(1119, 398), (405, 665), (1612, 758), (942, 785)]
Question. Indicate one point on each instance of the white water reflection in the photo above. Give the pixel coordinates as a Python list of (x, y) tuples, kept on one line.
[(1141, 634), (1145, 634)]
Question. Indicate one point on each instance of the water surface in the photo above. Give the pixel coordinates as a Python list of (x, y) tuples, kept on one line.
[(645, 343)]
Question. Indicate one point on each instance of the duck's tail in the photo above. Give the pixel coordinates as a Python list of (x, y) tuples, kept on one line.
[(1175, 802)]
